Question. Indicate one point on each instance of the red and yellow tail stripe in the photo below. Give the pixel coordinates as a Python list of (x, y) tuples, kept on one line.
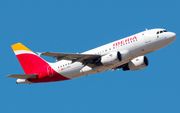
[(34, 65), (27, 58), (21, 49)]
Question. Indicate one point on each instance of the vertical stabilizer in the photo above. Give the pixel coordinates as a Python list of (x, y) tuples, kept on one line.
[(28, 59)]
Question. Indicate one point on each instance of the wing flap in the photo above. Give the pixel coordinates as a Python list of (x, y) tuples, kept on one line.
[(22, 76), (84, 58)]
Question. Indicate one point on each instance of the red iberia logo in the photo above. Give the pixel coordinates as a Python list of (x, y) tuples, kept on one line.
[(126, 40)]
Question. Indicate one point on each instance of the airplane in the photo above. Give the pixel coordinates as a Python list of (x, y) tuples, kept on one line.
[(126, 54)]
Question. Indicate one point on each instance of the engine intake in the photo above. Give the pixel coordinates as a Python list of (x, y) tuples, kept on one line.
[(114, 57), (137, 64)]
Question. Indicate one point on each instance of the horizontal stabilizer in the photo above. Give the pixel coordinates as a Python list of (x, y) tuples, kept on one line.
[(22, 76)]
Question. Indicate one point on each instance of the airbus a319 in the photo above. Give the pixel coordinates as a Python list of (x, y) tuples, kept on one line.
[(126, 54)]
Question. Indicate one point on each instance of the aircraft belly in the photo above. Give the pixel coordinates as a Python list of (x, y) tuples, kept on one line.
[(72, 71)]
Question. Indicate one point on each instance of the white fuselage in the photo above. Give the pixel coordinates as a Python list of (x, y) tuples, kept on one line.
[(137, 45)]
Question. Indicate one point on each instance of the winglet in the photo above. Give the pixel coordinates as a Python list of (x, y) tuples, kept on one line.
[(38, 53)]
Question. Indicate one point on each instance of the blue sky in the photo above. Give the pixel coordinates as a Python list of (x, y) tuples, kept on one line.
[(77, 26)]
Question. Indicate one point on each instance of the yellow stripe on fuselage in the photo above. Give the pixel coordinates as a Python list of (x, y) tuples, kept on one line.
[(19, 46)]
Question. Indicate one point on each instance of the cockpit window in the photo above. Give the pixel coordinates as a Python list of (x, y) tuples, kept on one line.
[(159, 32)]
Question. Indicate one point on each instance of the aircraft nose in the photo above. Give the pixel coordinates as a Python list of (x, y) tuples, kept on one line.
[(172, 36)]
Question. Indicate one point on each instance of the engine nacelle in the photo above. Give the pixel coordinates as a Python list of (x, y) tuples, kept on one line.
[(137, 64), (125, 55), (111, 58)]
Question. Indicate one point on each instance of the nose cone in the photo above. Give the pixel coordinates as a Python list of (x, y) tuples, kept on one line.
[(171, 37)]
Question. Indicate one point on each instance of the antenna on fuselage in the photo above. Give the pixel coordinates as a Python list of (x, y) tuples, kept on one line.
[(146, 29)]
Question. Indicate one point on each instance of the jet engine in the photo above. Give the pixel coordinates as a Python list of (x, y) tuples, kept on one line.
[(125, 55), (114, 57), (137, 64), (111, 58)]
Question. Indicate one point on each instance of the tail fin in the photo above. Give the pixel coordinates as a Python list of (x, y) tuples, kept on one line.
[(28, 59)]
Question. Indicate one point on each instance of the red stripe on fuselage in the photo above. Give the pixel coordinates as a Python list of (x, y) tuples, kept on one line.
[(45, 77), (33, 64)]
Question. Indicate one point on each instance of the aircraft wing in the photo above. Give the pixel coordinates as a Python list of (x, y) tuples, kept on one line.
[(22, 76), (86, 59)]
